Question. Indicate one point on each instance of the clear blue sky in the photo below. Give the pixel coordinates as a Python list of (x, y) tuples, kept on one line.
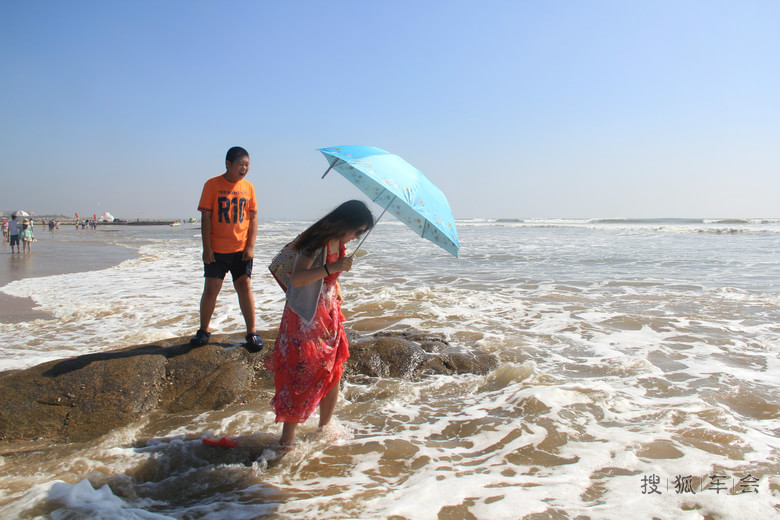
[(513, 108)]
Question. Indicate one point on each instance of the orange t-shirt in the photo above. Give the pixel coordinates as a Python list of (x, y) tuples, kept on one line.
[(230, 205)]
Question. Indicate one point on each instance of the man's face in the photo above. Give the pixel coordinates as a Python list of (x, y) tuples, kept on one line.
[(237, 169)]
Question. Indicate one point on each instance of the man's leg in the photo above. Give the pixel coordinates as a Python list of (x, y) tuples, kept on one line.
[(246, 301), (208, 301)]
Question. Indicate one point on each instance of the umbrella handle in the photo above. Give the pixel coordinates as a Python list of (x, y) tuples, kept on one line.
[(370, 230)]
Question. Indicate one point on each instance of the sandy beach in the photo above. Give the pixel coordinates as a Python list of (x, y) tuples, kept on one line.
[(61, 252)]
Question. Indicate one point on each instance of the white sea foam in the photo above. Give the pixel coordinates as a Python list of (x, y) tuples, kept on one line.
[(627, 350)]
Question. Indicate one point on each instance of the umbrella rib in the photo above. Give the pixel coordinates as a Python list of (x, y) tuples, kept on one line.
[(425, 227), (330, 168)]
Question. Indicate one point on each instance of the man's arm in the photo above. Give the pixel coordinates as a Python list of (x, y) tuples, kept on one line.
[(249, 250), (205, 232)]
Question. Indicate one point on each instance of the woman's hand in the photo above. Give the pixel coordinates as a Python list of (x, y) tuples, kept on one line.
[(342, 265)]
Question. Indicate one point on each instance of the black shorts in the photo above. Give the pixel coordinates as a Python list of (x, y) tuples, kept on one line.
[(14, 241), (232, 262)]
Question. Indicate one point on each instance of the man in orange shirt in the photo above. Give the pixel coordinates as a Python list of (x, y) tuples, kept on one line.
[(229, 228)]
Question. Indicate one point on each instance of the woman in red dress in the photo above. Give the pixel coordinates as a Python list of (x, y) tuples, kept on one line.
[(311, 347)]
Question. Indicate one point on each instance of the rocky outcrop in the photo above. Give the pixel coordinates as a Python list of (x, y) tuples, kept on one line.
[(87, 396), (412, 355)]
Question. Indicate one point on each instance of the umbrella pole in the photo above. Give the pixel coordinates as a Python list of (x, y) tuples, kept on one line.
[(370, 230)]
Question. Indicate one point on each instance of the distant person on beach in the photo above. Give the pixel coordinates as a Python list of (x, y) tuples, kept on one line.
[(13, 234), (27, 235), (5, 230), (311, 347), (229, 228)]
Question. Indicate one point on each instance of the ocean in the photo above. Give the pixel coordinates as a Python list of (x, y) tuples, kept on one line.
[(638, 377)]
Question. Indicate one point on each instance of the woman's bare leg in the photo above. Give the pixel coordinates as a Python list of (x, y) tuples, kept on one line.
[(288, 434), (328, 405)]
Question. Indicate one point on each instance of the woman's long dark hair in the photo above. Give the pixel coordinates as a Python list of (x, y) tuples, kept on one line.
[(349, 216)]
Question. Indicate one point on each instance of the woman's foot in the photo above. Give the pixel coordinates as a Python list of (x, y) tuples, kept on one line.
[(286, 448)]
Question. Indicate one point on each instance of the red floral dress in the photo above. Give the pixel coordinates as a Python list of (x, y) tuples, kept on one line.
[(308, 360)]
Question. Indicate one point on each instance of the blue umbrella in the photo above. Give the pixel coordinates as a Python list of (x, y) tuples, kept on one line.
[(398, 187)]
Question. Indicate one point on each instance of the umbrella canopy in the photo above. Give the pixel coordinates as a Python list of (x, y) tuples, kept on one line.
[(21, 213), (400, 188)]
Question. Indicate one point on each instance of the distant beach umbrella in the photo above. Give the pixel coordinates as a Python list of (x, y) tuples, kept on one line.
[(21, 213)]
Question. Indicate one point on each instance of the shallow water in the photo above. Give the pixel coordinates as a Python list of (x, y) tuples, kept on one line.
[(633, 354)]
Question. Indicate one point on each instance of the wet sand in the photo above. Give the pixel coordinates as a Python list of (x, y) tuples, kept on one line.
[(60, 252)]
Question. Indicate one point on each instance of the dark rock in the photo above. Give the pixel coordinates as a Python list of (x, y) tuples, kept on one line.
[(412, 355), (84, 397), (208, 377), (88, 396), (384, 357)]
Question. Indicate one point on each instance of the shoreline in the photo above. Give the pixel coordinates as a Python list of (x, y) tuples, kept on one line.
[(43, 221), (17, 310), (55, 253)]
